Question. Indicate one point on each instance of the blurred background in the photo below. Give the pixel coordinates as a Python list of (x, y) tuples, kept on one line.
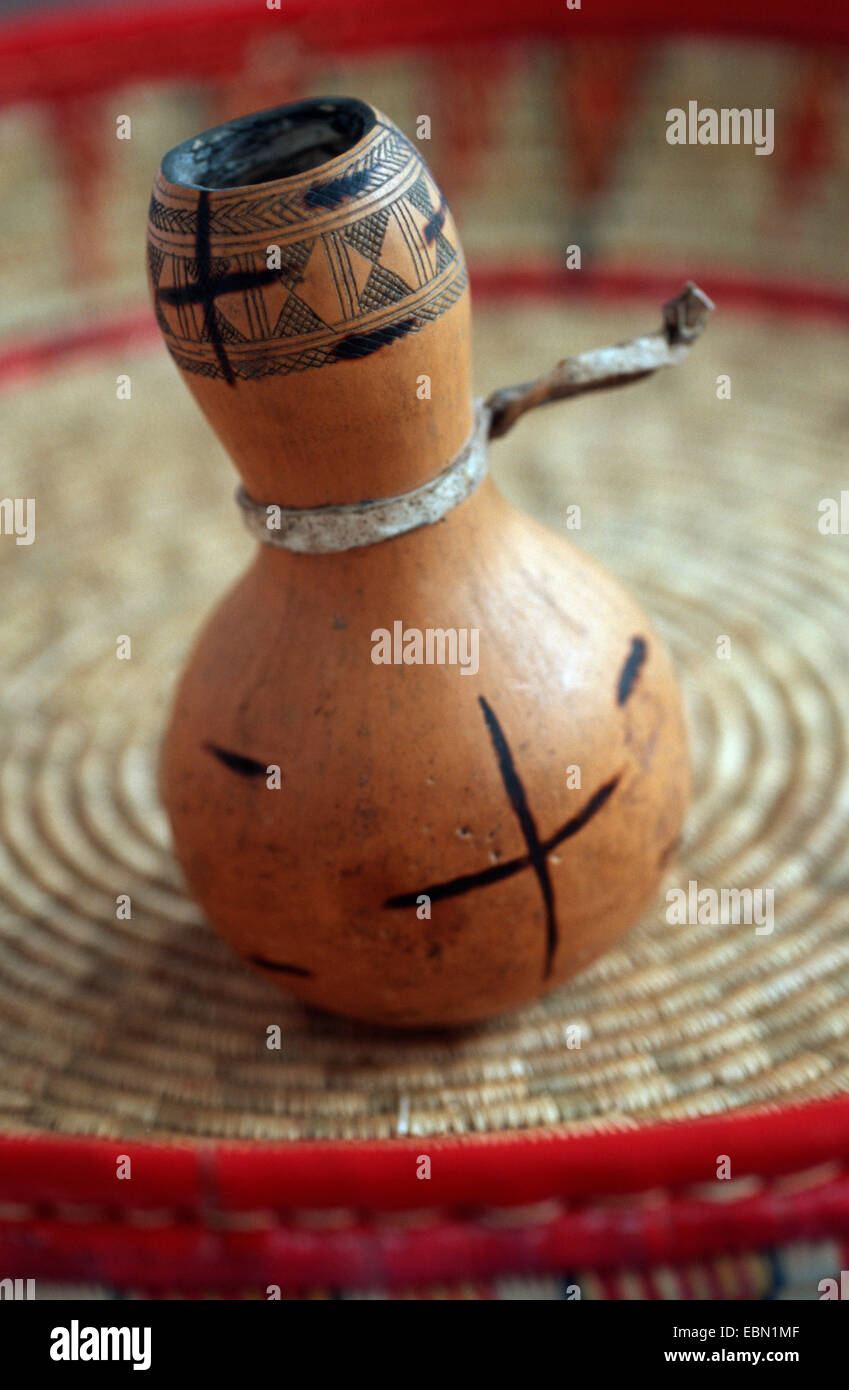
[(547, 134), (548, 129)]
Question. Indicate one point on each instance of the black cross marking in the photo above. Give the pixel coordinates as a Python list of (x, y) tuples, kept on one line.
[(538, 850), (209, 286)]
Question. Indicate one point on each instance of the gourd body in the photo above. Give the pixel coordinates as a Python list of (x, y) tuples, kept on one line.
[(391, 782)]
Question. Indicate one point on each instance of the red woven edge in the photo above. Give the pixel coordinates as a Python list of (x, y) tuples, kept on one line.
[(173, 1254), (29, 355), (731, 290), (504, 1169), (66, 52)]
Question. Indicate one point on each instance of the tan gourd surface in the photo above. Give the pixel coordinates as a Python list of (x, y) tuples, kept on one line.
[(397, 780)]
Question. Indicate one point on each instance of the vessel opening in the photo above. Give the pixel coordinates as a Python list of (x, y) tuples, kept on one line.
[(269, 145)]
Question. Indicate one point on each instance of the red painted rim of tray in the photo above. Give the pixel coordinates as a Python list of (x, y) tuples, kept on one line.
[(504, 1169), (169, 1254), (62, 53)]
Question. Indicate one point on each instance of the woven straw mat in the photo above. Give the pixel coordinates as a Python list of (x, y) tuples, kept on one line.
[(707, 509)]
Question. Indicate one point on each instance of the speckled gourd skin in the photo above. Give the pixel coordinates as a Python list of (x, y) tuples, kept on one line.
[(390, 782)]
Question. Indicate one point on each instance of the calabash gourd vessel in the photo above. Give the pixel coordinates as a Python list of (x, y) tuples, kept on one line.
[(481, 751)]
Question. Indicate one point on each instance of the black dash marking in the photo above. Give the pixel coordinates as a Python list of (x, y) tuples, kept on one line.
[(285, 968), (454, 887), (630, 671), (434, 224), (239, 280), (578, 822), (237, 762), (362, 344), (519, 802), (538, 850), (335, 191)]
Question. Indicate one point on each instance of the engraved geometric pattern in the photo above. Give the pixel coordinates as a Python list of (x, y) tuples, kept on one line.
[(382, 287), (227, 331), (294, 256), (381, 161), (155, 262), (347, 262), (367, 234), (296, 319), (155, 258), (284, 359), (420, 197), (445, 253)]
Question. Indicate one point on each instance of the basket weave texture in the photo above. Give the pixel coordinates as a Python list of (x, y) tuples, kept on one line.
[(707, 508)]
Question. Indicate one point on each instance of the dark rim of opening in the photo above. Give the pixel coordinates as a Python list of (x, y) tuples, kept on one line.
[(269, 145)]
